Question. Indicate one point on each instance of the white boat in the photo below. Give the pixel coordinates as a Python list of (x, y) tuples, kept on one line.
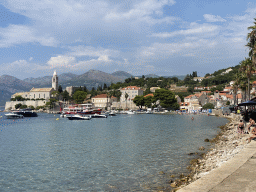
[(112, 113), (130, 112), (99, 116), (13, 116), (78, 117)]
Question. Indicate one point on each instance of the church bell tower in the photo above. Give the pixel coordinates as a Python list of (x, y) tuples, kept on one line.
[(55, 81)]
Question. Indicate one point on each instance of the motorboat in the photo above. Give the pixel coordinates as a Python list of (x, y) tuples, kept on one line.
[(112, 113), (130, 112), (99, 116), (78, 117), (13, 116), (25, 112)]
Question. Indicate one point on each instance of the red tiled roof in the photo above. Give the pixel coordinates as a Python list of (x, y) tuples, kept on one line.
[(150, 94), (101, 96)]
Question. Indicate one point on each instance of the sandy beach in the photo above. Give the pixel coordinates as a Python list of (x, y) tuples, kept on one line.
[(227, 144)]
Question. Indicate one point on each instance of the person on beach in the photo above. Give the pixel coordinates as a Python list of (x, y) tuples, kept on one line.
[(253, 134), (240, 128), (251, 123)]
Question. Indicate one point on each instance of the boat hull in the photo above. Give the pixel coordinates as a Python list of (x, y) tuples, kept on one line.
[(77, 117)]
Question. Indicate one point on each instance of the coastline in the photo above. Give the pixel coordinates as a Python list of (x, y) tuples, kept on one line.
[(226, 145)]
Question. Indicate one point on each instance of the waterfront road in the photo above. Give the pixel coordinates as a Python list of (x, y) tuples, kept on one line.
[(237, 174)]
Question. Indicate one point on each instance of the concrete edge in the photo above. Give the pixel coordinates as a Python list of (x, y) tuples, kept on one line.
[(216, 176)]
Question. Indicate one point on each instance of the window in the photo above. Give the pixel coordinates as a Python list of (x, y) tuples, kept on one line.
[(39, 95), (44, 95), (34, 95)]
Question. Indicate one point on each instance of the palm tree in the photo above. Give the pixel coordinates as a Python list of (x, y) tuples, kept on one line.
[(247, 68), (251, 38), (235, 86), (126, 96)]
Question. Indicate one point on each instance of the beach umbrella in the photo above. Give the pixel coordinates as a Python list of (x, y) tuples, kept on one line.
[(247, 103)]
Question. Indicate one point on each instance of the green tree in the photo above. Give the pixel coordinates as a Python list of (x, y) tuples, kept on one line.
[(60, 89), (18, 105), (247, 68), (148, 101), (167, 98), (23, 106), (208, 106), (139, 101), (251, 38), (228, 103), (79, 96), (18, 98), (65, 95), (126, 97)]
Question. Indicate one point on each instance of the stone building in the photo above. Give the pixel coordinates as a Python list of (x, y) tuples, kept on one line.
[(36, 96)]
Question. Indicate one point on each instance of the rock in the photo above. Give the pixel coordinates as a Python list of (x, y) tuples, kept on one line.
[(201, 148)]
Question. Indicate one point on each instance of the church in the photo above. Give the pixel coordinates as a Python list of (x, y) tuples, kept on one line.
[(36, 96)]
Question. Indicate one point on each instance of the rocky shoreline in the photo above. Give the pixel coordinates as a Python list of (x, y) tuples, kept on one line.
[(225, 146)]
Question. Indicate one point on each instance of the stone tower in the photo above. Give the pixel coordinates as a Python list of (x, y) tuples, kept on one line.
[(55, 81)]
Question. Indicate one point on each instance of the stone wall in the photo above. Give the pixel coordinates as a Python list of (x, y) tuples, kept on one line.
[(11, 104)]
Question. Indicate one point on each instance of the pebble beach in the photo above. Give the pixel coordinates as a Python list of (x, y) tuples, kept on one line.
[(226, 145)]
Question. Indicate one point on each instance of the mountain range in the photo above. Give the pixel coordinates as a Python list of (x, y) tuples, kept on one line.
[(93, 78), (10, 85)]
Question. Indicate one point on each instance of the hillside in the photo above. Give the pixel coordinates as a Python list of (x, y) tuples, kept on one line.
[(10, 85)]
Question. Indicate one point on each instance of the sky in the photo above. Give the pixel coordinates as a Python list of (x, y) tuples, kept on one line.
[(162, 37)]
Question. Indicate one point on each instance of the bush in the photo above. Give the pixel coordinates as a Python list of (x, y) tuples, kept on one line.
[(208, 106)]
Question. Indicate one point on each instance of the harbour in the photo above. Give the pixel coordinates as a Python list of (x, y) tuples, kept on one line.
[(119, 153)]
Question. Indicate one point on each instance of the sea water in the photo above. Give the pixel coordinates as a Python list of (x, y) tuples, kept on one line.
[(119, 153)]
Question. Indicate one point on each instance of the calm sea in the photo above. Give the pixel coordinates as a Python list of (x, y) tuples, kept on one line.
[(121, 153)]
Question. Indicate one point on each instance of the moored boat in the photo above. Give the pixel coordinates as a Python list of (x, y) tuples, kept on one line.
[(99, 116), (112, 113), (13, 116), (25, 112), (78, 117)]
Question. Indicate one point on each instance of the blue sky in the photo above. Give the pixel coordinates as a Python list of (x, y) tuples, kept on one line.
[(163, 37)]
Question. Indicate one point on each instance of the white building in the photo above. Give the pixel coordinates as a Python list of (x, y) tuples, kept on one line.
[(132, 92), (102, 101), (35, 94)]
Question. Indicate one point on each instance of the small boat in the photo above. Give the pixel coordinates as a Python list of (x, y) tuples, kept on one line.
[(78, 117), (112, 113), (99, 116), (25, 113), (13, 116), (130, 112)]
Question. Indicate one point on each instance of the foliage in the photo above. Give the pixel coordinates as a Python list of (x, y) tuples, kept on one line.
[(18, 105), (23, 106), (167, 98), (31, 107), (65, 95), (18, 98), (139, 101), (60, 89), (208, 106), (228, 103), (148, 101), (79, 96)]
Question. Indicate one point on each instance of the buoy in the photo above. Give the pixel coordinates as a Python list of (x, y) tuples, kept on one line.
[(57, 119)]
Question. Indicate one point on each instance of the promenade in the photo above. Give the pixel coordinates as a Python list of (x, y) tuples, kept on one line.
[(237, 174)]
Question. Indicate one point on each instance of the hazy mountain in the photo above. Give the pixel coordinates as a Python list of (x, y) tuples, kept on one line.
[(121, 74), (93, 78), (10, 85)]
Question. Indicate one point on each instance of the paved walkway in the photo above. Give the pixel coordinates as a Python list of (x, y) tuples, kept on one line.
[(237, 174)]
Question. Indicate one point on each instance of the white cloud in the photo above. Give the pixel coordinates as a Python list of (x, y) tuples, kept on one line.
[(81, 51), (61, 61), (195, 29), (213, 18), (17, 34)]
